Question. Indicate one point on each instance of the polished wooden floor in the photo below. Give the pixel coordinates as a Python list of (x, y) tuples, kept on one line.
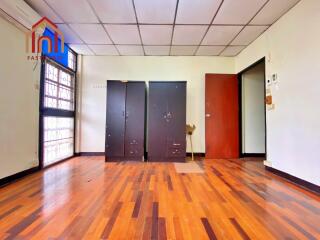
[(86, 198)]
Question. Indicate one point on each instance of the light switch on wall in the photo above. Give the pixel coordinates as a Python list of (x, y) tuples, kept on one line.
[(274, 78)]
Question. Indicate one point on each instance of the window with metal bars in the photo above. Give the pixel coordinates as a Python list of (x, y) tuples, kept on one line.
[(59, 88), (57, 113)]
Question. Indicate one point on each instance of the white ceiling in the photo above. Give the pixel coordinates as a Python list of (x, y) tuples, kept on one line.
[(162, 27)]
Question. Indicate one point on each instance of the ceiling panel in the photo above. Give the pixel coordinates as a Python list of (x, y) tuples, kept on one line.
[(238, 11), (69, 35), (109, 50), (102, 23), (157, 50), (111, 11), (183, 50), (209, 50), (124, 34), (188, 35), (221, 35), (44, 10), (248, 34), (273, 11), (81, 49), (91, 33), (155, 11), (130, 50), (232, 51), (197, 11), (74, 11), (156, 34)]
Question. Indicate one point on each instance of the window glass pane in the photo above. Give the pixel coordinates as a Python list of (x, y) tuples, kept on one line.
[(58, 139), (51, 89), (65, 78), (51, 72), (71, 60), (50, 102), (59, 88)]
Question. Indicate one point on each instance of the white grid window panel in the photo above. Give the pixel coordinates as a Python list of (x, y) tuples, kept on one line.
[(58, 89), (58, 139)]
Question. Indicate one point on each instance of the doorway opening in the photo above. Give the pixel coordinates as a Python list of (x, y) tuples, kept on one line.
[(252, 91)]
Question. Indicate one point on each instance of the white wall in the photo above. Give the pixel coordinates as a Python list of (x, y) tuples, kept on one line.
[(96, 70), (19, 103), (292, 51), (253, 110)]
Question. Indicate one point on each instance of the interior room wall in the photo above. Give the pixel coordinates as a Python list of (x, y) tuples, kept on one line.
[(292, 51), (19, 103), (97, 69), (253, 110)]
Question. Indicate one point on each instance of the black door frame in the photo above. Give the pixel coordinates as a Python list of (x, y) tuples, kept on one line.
[(241, 154), (54, 112)]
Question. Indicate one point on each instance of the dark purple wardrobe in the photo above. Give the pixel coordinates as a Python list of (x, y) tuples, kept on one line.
[(167, 122), (125, 121)]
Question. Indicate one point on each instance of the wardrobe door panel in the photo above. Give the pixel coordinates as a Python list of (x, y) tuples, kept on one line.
[(115, 127), (176, 138), (135, 119), (157, 124)]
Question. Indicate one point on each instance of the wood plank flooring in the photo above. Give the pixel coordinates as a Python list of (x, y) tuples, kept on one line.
[(86, 198)]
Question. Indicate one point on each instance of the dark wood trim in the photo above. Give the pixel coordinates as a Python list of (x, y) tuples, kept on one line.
[(123, 159), (253, 65), (298, 181), (57, 112), (202, 155), (41, 104), (75, 100), (182, 81), (89, 154), (17, 176), (241, 154), (240, 112), (253, 155), (12, 178)]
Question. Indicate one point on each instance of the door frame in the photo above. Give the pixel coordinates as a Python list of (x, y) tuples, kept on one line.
[(241, 154)]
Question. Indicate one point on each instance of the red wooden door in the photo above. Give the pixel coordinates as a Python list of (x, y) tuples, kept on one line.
[(222, 116)]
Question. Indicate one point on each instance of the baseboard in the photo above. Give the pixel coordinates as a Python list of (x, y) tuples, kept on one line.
[(258, 155), (196, 154), (17, 176), (298, 181), (90, 154)]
